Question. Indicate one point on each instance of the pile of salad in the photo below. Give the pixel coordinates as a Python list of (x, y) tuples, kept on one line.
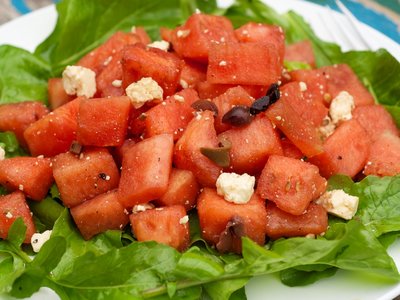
[(144, 159)]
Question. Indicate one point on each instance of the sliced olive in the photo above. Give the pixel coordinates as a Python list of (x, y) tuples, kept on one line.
[(220, 155), (262, 104), (238, 116), (202, 105), (75, 148), (234, 229)]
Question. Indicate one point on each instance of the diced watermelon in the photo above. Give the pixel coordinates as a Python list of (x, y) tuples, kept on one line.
[(54, 133), (302, 133), (82, 177), (215, 213), (345, 151), (316, 85), (32, 175), (57, 94), (308, 108), (182, 190), (100, 57), (290, 150), (244, 63), (282, 224), (384, 156), (99, 214), (262, 33), (199, 133), (194, 39), (16, 117), (166, 34), (291, 183), (225, 102), (109, 81), (342, 78), (164, 67), (166, 225), (301, 51), (103, 122), (146, 167), (13, 206), (208, 90), (172, 115), (252, 145), (375, 119), (192, 74)]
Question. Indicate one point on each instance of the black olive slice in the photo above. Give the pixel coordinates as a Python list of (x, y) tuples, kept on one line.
[(262, 104), (238, 116), (202, 105), (220, 155), (234, 229), (75, 148)]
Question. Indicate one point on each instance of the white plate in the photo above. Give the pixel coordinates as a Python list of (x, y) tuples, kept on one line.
[(28, 31)]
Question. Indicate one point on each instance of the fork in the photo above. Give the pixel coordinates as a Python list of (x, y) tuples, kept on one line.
[(348, 32)]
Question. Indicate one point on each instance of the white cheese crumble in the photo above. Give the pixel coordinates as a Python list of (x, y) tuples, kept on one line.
[(179, 98), (9, 215), (222, 63), (235, 188), (303, 86), (182, 33), (184, 220), (2, 153), (183, 84), (38, 239), (144, 90), (142, 207), (162, 45), (339, 203), (116, 83), (341, 107), (79, 81), (327, 127)]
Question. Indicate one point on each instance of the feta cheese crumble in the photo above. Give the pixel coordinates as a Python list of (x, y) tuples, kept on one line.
[(38, 239), (339, 203), (144, 90), (341, 107), (9, 215), (142, 207), (303, 86), (184, 220), (116, 83), (162, 45), (327, 127), (182, 33), (79, 81), (235, 188)]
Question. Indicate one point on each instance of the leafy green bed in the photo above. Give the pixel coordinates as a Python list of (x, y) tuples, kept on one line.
[(113, 265)]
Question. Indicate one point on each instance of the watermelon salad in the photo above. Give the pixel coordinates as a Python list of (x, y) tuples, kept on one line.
[(180, 161)]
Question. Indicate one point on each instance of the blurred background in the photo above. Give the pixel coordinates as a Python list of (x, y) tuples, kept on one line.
[(383, 15)]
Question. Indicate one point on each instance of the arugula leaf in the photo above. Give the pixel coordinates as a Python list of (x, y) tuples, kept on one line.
[(97, 20), (379, 206), (296, 277), (296, 65), (23, 76)]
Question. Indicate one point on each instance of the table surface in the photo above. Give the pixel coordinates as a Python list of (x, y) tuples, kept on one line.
[(383, 15)]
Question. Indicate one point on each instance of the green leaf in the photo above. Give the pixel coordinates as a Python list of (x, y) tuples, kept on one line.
[(379, 205), (294, 277), (296, 65), (23, 76), (48, 211), (63, 48), (199, 265), (16, 233), (11, 267), (395, 112), (223, 289), (9, 143)]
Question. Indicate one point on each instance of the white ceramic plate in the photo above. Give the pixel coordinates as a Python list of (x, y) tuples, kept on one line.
[(28, 31)]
